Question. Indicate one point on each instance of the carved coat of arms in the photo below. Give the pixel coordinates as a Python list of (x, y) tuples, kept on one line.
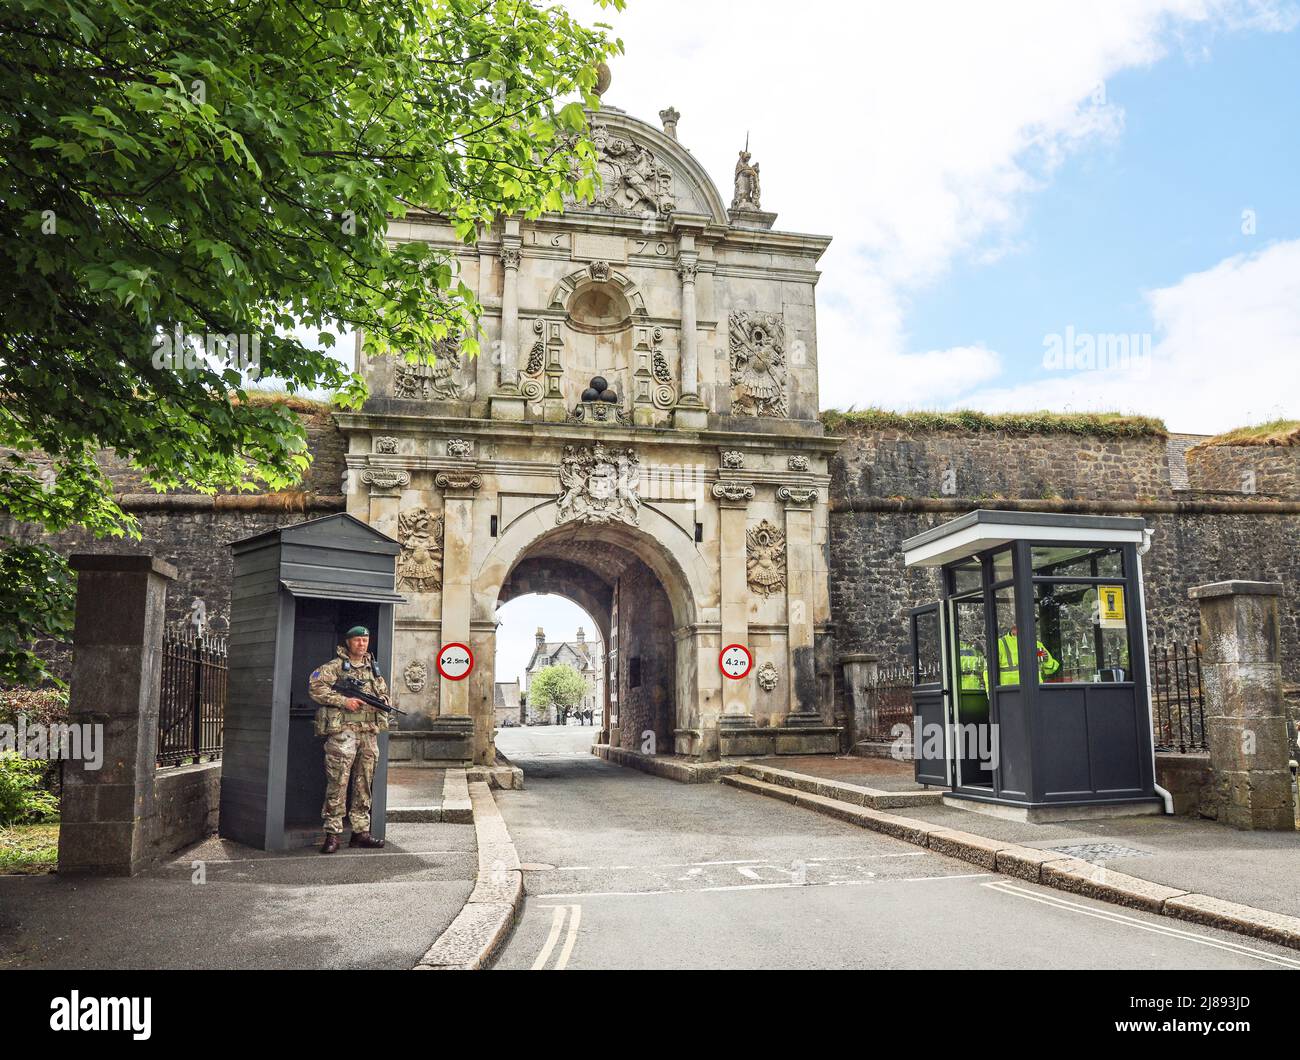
[(765, 559), (758, 364), (632, 179), (598, 485), (436, 381), (419, 564)]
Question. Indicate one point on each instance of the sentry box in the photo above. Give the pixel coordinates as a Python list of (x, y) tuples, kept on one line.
[(1030, 695), (295, 591)]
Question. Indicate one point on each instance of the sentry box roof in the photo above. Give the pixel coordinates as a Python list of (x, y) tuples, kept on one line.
[(981, 530)]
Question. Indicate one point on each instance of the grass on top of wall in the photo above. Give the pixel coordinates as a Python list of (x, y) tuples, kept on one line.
[(1096, 424), (296, 402), (1275, 432)]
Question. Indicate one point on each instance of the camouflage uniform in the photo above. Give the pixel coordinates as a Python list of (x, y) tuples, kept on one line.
[(350, 736)]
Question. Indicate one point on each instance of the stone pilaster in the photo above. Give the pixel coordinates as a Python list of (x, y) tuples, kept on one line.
[(106, 814), (507, 403), (385, 486), (802, 663), (1245, 713), (733, 507), (459, 489), (690, 412)]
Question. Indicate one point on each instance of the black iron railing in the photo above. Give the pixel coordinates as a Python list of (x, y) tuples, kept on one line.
[(193, 699), (1177, 701)]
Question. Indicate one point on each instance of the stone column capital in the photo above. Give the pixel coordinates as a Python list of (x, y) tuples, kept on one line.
[(462, 483), (733, 494), (797, 496)]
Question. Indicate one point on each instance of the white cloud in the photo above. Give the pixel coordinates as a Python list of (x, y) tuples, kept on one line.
[(913, 133), (1225, 352)]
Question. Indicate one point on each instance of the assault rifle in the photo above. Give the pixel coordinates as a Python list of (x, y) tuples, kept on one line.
[(353, 689)]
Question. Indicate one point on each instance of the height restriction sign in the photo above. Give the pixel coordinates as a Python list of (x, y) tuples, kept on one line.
[(735, 661), (455, 661)]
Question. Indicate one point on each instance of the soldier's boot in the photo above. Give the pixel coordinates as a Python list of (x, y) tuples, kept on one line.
[(331, 844), (364, 839)]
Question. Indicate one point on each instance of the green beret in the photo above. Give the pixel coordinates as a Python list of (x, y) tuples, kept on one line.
[(358, 631)]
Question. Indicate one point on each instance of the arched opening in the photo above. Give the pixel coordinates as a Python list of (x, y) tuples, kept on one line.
[(539, 632), (629, 586)]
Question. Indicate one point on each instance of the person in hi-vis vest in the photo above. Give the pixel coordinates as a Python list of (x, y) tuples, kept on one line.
[(1009, 660)]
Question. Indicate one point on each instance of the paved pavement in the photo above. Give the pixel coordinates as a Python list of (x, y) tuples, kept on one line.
[(543, 740), (627, 870), (415, 786), (222, 905)]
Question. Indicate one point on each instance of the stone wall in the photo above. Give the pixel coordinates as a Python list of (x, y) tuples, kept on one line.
[(881, 478), (1245, 470), (892, 463), (194, 532), (645, 643), (186, 801)]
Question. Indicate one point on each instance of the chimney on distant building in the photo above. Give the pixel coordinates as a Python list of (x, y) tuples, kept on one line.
[(541, 635), (582, 637)]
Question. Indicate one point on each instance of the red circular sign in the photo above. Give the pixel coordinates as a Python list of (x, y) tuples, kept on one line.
[(735, 661), (455, 661)]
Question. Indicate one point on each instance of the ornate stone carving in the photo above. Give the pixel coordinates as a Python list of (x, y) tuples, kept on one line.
[(797, 494), (747, 191), (733, 491), (670, 116), (419, 563), (385, 478), (386, 445), (598, 485), (530, 382), (459, 447), (765, 559), (733, 458), (439, 381), (601, 412), (758, 364), (767, 676), (457, 480), (798, 462), (633, 180), (510, 257), (600, 271), (686, 271), (416, 675)]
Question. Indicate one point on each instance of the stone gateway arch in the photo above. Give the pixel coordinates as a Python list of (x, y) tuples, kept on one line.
[(640, 435)]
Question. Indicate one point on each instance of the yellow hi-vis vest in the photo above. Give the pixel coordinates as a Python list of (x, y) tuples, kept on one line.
[(973, 668), (1009, 660)]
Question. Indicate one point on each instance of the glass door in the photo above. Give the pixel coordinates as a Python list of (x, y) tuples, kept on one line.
[(929, 697)]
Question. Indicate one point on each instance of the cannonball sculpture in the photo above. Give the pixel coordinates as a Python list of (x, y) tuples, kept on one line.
[(590, 394), (599, 383), (610, 396)]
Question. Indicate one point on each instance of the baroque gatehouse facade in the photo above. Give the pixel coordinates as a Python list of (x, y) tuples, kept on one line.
[(640, 434)]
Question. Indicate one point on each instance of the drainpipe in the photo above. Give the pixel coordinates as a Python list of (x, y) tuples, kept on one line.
[(1147, 535)]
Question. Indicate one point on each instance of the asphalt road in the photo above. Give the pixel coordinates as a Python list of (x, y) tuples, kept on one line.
[(625, 870)]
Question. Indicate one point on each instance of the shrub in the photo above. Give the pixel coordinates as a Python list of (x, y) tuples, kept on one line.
[(23, 798)]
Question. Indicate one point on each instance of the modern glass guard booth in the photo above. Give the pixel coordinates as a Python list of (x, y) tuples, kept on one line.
[(1030, 692)]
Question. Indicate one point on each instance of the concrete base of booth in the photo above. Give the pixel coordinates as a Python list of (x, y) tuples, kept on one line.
[(750, 741), (1046, 814)]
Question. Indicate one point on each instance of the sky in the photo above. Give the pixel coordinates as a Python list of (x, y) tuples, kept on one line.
[(1011, 186)]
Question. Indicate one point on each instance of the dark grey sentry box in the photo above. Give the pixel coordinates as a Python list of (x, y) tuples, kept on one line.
[(1031, 668), (296, 590)]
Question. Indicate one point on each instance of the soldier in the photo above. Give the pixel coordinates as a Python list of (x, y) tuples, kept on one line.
[(350, 728)]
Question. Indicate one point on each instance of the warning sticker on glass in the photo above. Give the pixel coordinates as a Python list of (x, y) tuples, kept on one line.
[(1111, 606)]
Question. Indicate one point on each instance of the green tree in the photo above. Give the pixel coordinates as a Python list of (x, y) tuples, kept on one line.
[(561, 687), (230, 169)]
